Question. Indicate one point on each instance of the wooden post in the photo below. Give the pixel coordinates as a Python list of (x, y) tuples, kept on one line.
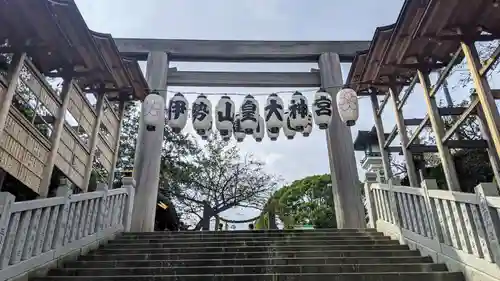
[(12, 79), (447, 163), (400, 123), (349, 209), (55, 137), (111, 176), (379, 126), (483, 90), (93, 141), (147, 167)]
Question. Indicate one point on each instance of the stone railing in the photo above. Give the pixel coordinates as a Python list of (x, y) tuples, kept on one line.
[(37, 235), (459, 229)]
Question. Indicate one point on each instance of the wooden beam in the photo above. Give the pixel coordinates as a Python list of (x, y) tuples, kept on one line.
[(403, 135), (382, 104), (424, 123), (408, 92), (447, 163), (244, 79), (379, 127), (496, 93), (460, 120), (414, 148), (467, 144), (456, 144), (486, 100), (413, 121), (240, 51), (451, 111), (392, 135), (489, 63), (446, 71)]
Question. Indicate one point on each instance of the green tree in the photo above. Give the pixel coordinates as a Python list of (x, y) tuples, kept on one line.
[(305, 201)]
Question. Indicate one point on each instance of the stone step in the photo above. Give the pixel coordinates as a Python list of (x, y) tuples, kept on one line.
[(256, 232), (126, 255), (340, 236), (372, 276), (264, 243), (249, 269), (249, 261), (344, 232), (253, 249)]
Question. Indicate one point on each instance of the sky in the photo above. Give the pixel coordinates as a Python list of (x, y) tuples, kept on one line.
[(259, 20)]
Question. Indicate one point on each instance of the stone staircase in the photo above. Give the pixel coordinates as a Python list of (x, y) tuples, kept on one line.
[(254, 255)]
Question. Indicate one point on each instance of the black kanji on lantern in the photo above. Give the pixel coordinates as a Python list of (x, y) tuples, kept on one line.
[(289, 125), (272, 108), (249, 111), (237, 125), (176, 108), (200, 111), (226, 114), (298, 108), (324, 106)]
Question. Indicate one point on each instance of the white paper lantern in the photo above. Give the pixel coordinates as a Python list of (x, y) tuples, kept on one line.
[(206, 134), (201, 114), (177, 112), (288, 130), (239, 134), (347, 105), (298, 110), (249, 113), (308, 129), (224, 117), (274, 112), (153, 111), (260, 131), (322, 109), (272, 135)]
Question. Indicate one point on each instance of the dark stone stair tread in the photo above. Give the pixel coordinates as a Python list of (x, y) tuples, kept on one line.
[(257, 231), (226, 255), (251, 261), (255, 249), (291, 243), (250, 269), (369, 276), (238, 262)]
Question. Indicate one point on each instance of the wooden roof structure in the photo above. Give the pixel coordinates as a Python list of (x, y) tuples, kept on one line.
[(366, 138), (56, 37), (426, 35)]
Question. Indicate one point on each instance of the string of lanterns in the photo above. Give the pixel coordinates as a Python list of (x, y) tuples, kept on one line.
[(296, 118)]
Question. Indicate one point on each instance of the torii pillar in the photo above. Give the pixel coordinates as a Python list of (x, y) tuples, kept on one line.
[(148, 152), (349, 209)]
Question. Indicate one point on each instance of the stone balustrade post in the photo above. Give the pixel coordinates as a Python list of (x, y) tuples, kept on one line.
[(6, 238), (370, 178), (129, 184), (437, 232), (490, 218), (103, 207), (63, 190)]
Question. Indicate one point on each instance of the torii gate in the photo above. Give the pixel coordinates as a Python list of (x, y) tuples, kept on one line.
[(158, 53)]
